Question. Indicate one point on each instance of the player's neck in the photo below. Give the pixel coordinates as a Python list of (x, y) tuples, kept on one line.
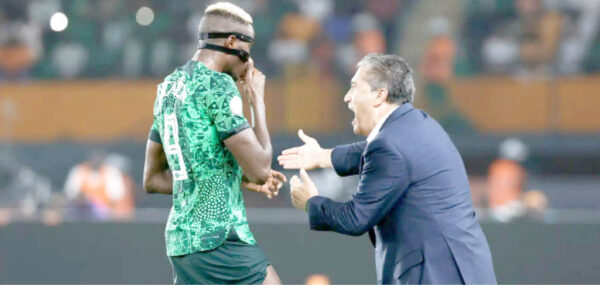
[(210, 59)]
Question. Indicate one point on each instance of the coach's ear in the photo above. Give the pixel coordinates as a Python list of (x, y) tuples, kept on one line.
[(381, 97)]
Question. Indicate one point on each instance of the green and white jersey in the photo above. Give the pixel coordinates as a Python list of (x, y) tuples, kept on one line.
[(196, 108)]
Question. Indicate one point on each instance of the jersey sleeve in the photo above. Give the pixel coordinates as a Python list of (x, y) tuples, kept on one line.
[(154, 134), (225, 108)]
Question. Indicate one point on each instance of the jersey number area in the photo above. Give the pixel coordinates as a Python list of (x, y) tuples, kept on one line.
[(173, 149)]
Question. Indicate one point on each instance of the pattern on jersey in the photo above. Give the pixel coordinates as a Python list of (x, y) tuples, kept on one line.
[(208, 202)]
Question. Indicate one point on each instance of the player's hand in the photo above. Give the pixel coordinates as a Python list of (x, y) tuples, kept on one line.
[(302, 189), (270, 188), (308, 156), (253, 84)]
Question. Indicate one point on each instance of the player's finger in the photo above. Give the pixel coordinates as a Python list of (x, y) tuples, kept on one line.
[(249, 71), (273, 189), (279, 176), (251, 186), (304, 137), (266, 191), (293, 150)]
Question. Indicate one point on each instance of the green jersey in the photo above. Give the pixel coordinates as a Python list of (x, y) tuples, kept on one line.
[(196, 108)]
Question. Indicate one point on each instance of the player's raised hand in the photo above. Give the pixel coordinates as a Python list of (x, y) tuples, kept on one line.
[(270, 188), (253, 83), (308, 156), (302, 189)]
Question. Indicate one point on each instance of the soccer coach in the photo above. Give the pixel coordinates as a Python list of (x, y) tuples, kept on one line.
[(413, 194)]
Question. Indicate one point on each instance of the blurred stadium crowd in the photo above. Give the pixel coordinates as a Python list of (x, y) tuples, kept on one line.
[(306, 48), (111, 38)]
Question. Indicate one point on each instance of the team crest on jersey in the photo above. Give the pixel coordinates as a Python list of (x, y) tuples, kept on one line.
[(236, 106)]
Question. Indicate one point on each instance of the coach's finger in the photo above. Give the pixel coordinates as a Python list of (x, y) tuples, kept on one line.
[(293, 150), (290, 165), (305, 178), (287, 157), (304, 137)]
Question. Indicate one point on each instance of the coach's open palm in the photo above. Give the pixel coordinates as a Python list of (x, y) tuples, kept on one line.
[(308, 156)]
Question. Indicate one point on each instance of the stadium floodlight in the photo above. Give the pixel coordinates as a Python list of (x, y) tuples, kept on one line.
[(59, 22), (144, 16)]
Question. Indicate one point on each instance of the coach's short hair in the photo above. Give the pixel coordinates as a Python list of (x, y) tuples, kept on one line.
[(230, 11), (391, 72)]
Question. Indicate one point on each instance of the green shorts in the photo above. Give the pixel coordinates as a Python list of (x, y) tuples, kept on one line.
[(233, 262)]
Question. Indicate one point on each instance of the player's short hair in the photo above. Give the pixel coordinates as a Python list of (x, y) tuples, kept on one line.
[(391, 72), (229, 11)]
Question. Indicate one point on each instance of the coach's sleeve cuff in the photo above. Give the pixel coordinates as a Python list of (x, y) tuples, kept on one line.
[(315, 216)]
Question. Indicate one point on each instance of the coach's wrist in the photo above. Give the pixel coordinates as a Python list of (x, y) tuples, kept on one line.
[(325, 158)]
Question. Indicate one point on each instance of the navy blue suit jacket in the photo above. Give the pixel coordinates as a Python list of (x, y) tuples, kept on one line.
[(414, 198)]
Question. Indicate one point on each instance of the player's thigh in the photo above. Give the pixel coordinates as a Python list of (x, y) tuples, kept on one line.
[(272, 277)]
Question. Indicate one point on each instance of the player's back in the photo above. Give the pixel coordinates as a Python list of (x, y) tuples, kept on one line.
[(197, 108)]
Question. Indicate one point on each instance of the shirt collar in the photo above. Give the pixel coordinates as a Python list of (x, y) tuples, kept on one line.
[(377, 127)]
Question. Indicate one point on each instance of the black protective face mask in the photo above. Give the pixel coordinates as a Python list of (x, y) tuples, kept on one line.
[(242, 54)]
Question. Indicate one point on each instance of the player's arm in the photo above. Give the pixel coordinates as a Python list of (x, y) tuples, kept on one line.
[(252, 148), (157, 175), (251, 155)]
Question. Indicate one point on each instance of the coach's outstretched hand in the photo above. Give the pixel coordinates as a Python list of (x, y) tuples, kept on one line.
[(270, 188), (302, 189), (309, 156)]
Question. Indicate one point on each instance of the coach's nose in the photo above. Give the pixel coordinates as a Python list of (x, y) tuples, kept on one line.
[(347, 97)]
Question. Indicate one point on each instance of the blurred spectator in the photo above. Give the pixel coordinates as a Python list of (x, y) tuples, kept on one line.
[(540, 31), (387, 11), (437, 69), (20, 42), (293, 35), (536, 203), (368, 36), (22, 190), (506, 181), (482, 18), (438, 61), (581, 20), (531, 37), (70, 59), (98, 189), (500, 52), (315, 9)]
